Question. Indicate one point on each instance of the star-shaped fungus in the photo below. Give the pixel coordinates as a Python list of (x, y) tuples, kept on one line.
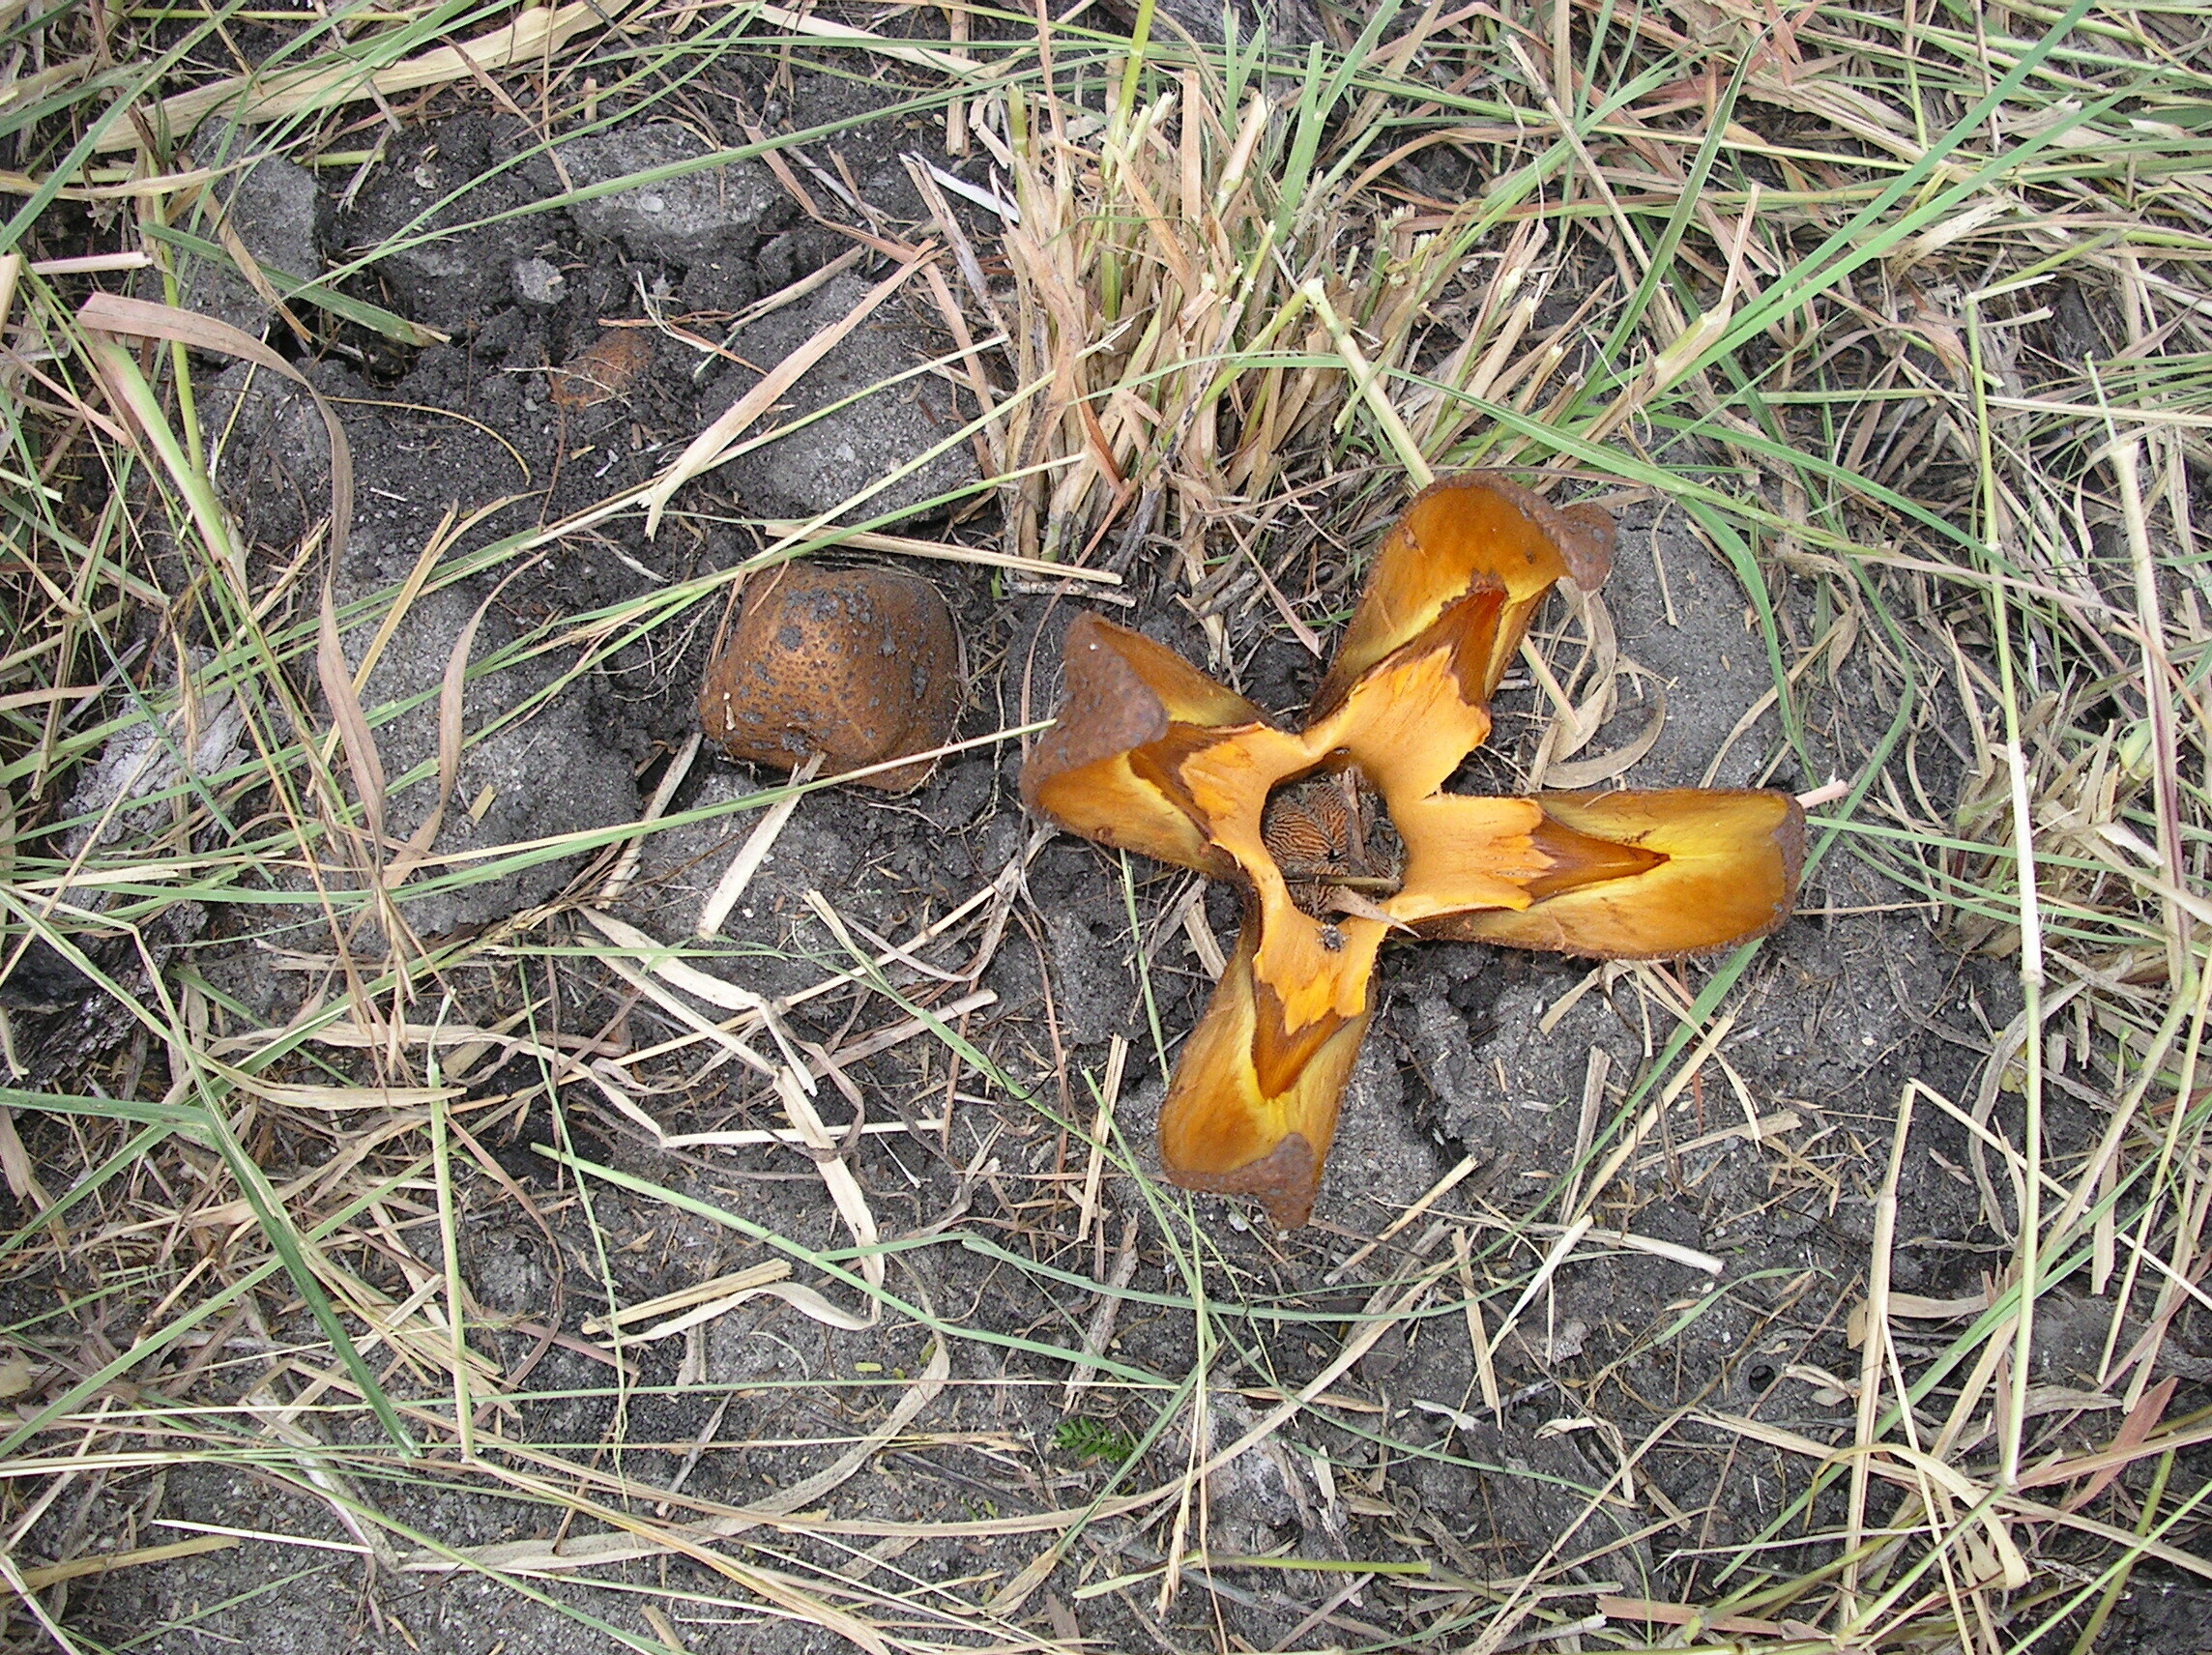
[(1342, 835)]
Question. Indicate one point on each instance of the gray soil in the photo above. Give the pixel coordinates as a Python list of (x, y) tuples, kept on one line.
[(1768, 1162)]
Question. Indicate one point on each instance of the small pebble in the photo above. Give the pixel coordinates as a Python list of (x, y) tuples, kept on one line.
[(539, 281)]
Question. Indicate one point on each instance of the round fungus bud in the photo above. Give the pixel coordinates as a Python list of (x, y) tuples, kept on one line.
[(606, 370), (859, 665)]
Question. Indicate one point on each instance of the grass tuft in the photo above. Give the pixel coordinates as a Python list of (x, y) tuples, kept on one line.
[(1900, 309)]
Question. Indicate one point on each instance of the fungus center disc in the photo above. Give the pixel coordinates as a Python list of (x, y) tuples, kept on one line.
[(1331, 837)]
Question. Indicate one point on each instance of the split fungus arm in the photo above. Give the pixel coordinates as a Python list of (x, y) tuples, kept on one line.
[(1129, 714), (1721, 867)]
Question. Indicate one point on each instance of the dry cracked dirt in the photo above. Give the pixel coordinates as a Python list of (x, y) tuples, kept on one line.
[(1487, 1064)]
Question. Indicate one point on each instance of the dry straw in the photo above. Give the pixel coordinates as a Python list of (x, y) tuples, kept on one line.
[(1903, 311)]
